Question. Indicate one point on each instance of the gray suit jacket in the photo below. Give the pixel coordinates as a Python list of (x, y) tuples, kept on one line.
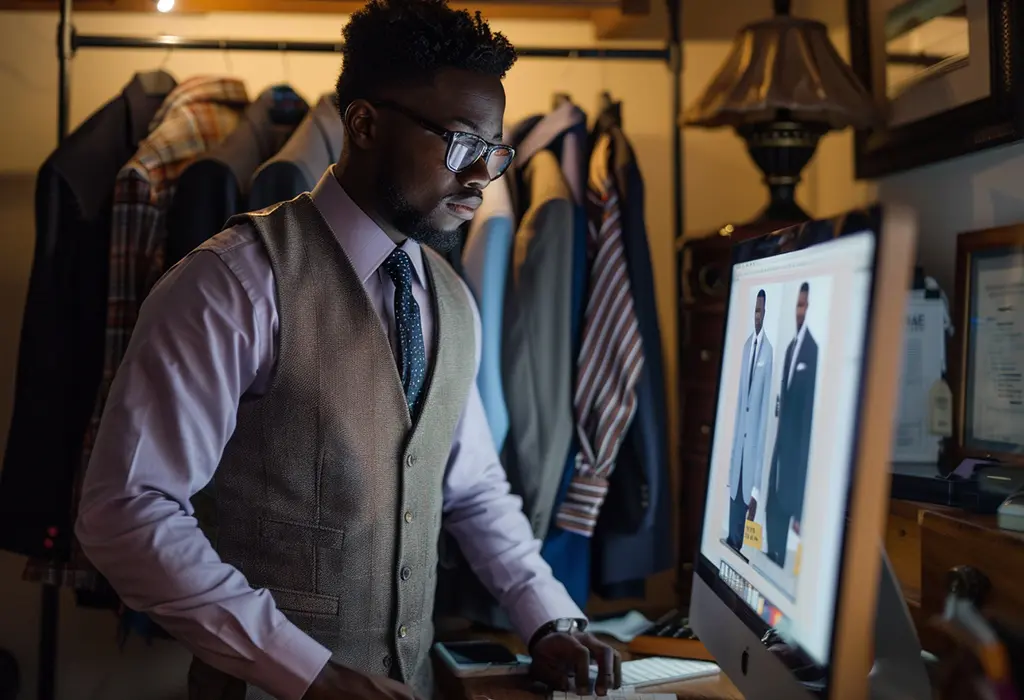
[(537, 360), (752, 410), (297, 167)]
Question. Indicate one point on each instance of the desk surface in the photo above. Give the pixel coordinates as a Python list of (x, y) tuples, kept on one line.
[(713, 688), (518, 688)]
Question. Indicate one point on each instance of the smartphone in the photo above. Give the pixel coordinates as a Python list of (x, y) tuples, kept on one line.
[(474, 659)]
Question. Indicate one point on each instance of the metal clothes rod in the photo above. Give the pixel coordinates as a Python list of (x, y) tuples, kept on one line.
[(69, 41), (186, 43)]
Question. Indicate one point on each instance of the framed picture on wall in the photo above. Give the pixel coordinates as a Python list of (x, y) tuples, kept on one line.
[(945, 73), (988, 357)]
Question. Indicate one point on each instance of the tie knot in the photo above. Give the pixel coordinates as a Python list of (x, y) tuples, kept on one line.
[(399, 266)]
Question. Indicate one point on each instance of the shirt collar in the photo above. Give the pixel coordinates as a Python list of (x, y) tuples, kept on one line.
[(363, 241), (800, 333)]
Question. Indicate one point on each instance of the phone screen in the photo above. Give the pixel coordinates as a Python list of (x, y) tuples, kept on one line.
[(467, 653)]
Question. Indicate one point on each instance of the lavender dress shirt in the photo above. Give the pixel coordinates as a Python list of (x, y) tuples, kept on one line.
[(206, 337)]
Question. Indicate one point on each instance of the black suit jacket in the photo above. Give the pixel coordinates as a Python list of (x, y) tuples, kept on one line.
[(634, 538), (60, 355), (215, 186), (297, 167), (793, 440)]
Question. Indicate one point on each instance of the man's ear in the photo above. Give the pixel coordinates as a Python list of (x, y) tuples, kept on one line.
[(361, 123)]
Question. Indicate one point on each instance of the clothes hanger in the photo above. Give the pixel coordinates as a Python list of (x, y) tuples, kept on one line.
[(157, 83), (611, 111), (559, 99)]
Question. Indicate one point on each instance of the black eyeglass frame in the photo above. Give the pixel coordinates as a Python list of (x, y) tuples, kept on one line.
[(450, 136)]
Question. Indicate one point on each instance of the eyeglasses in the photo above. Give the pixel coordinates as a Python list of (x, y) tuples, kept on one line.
[(464, 148)]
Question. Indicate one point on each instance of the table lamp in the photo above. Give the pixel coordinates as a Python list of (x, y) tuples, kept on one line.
[(782, 87)]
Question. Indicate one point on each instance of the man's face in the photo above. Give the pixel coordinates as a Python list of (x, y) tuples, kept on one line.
[(801, 309), (758, 314), (419, 195)]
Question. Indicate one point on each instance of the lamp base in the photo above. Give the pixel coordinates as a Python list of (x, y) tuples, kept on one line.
[(780, 149)]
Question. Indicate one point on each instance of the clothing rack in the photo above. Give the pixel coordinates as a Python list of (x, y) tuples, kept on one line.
[(69, 42)]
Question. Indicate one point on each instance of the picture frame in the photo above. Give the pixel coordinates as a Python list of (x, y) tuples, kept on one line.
[(988, 343), (940, 105)]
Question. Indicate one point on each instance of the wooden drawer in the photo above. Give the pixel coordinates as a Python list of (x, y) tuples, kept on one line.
[(698, 411), (950, 539), (704, 327), (903, 545), (700, 364)]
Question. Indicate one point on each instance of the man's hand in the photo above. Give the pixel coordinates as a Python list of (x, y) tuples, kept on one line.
[(562, 662), (752, 508), (337, 682)]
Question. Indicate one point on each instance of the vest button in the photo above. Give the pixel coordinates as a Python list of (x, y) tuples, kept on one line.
[(403, 632), (410, 460), (387, 662), (408, 516), (405, 573)]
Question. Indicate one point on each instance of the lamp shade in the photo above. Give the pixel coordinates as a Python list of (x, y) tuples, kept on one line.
[(789, 65)]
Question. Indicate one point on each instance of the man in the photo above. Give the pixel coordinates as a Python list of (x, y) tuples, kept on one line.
[(313, 367), (788, 475), (751, 421)]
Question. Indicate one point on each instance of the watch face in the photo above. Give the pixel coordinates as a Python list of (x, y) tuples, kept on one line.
[(565, 625)]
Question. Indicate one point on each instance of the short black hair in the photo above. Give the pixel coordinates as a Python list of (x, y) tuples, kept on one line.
[(762, 295), (805, 289), (391, 43)]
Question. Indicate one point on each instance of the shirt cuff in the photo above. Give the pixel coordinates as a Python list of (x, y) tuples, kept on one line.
[(535, 609), (755, 494), (289, 663)]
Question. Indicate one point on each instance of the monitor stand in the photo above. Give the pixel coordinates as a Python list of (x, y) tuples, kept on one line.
[(899, 671)]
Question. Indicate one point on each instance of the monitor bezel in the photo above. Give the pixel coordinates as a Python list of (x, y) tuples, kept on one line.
[(876, 221)]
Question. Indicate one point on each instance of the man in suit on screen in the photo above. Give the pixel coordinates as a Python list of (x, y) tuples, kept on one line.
[(752, 408), (788, 474)]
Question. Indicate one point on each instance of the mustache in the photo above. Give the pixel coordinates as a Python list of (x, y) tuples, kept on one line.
[(469, 197)]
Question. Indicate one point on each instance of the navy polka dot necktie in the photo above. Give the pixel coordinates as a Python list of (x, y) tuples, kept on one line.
[(412, 358)]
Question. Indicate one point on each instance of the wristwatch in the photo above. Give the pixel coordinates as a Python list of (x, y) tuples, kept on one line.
[(563, 625)]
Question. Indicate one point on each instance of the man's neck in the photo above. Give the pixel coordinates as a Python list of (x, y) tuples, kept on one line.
[(360, 190)]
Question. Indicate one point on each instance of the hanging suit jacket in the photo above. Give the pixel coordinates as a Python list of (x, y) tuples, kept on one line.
[(215, 186), (60, 356), (485, 268), (535, 358), (298, 165), (634, 535), (197, 115), (542, 305)]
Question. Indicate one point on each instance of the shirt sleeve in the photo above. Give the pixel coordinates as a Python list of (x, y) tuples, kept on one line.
[(487, 521), (171, 409)]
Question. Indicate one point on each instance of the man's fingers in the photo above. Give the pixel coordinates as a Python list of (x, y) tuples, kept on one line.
[(604, 655), (580, 666)]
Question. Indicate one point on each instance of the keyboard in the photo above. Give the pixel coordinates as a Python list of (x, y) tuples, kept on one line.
[(659, 670), (614, 695), (675, 624)]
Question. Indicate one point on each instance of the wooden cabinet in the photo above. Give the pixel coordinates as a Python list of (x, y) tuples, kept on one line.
[(927, 542)]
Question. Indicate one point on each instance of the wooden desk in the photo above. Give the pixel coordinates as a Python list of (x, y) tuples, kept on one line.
[(715, 688), (518, 688)]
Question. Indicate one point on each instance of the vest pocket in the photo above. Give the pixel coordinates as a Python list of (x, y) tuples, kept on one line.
[(306, 603), (292, 557)]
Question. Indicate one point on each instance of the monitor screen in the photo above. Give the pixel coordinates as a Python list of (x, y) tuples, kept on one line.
[(786, 422)]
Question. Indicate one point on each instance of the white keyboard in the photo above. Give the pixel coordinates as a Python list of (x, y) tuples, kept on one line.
[(614, 695), (658, 670)]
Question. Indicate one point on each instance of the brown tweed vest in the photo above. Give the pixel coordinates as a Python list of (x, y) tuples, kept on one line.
[(327, 495)]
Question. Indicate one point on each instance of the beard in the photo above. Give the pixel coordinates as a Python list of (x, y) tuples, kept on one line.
[(413, 223)]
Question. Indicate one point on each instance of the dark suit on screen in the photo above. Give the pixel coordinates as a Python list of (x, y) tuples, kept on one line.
[(788, 476)]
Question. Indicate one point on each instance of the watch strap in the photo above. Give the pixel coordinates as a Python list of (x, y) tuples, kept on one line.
[(572, 624)]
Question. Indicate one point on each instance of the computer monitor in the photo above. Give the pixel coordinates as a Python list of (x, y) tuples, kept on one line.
[(801, 441)]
